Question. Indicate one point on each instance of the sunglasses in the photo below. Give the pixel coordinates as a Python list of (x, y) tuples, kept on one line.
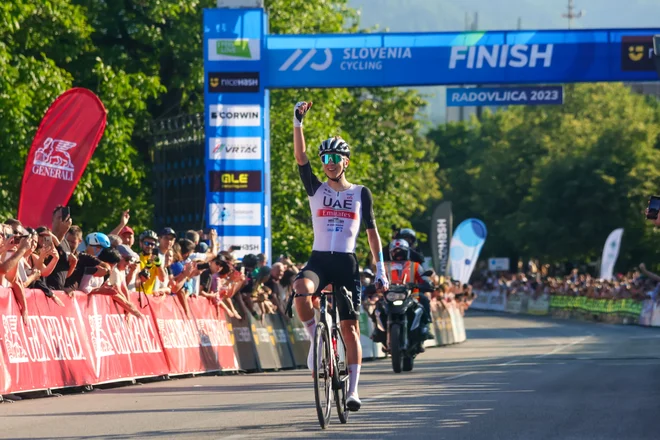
[(149, 243), (332, 158)]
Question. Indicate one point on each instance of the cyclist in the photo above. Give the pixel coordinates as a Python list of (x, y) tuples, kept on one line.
[(337, 208)]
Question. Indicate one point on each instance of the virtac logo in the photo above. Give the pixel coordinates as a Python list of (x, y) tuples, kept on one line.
[(501, 56)]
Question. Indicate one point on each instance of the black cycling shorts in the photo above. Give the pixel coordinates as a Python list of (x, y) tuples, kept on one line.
[(341, 270)]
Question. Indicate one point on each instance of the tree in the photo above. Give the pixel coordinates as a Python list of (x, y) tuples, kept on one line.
[(552, 182)]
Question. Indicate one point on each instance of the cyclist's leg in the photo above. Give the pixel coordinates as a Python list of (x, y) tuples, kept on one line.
[(307, 281), (349, 313)]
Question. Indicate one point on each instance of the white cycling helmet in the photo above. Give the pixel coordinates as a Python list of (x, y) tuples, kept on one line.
[(399, 245), (335, 145)]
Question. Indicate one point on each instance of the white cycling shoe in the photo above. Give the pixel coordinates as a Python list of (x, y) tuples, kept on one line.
[(353, 402)]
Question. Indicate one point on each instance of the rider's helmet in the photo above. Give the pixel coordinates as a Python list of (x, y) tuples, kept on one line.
[(98, 239), (408, 235), (148, 234), (335, 145), (399, 250)]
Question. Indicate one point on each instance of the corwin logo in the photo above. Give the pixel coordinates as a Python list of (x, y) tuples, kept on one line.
[(233, 82), (304, 60), (235, 181), (235, 115), (235, 148), (501, 56), (53, 160), (637, 53)]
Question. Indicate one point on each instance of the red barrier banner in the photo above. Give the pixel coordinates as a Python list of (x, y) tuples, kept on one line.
[(91, 340), (4, 375), (123, 346), (49, 350), (196, 344), (63, 145)]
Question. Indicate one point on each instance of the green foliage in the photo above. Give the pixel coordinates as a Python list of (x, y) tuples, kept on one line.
[(553, 182)]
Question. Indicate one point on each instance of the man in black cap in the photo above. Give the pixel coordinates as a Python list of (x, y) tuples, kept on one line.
[(166, 240)]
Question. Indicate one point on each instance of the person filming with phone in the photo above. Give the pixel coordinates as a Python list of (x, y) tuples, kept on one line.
[(151, 264)]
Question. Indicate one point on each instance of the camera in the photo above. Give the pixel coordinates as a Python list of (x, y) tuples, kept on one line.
[(203, 266), (144, 273)]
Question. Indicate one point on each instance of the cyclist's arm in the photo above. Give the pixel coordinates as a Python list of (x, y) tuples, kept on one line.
[(299, 147), (370, 225)]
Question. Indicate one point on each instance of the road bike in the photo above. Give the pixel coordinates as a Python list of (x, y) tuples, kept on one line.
[(330, 367)]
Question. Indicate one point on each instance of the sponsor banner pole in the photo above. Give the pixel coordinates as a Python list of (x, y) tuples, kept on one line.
[(63, 145), (236, 113), (610, 254), (441, 231)]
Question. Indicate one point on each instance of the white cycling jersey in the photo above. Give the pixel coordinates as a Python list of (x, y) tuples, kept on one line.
[(336, 215)]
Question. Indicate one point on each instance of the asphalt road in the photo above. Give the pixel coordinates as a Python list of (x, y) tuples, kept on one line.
[(515, 378)]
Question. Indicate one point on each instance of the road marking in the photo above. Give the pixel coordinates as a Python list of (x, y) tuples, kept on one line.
[(508, 363), (562, 348), (394, 393)]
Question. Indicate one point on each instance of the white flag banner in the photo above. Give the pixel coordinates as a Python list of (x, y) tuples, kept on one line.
[(466, 243), (610, 254)]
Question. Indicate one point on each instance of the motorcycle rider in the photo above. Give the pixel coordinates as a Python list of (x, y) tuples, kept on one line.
[(411, 237), (402, 270)]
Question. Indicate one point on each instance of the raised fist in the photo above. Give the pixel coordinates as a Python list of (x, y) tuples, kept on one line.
[(299, 111)]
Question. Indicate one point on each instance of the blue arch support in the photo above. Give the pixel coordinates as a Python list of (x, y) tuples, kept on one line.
[(241, 62)]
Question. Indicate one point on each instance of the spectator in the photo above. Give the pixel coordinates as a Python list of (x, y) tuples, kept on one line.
[(73, 239), (129, 265), (261, 260), (127, 236), (278, 292), (113, 283), (151, 265), (115, 241), (166, 240), (88, 262)]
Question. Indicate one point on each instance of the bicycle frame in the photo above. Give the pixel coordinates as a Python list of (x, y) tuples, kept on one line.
[(335, 336)]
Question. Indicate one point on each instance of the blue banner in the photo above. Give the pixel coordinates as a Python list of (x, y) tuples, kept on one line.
[(241, 62), (456, 58), (236, 102), (460, 97)]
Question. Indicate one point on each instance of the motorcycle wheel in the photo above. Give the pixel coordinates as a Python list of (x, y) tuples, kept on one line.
[(395, 347), (408, 363)]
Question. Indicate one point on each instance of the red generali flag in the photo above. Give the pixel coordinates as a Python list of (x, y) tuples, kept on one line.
[(64, 144)]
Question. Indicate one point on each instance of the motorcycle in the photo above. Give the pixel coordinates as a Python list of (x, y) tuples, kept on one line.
[(405, 334)]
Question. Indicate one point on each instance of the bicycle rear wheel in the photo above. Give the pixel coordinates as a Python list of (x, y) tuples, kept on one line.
[(322, 377)]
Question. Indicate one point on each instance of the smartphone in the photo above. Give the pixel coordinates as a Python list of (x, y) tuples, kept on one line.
[(65, 212), (48, 241), (654, 208)]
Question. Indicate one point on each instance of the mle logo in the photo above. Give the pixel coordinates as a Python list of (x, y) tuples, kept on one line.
[(637, 53)]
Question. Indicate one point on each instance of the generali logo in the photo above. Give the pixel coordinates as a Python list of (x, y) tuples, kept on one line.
[(53, 160)]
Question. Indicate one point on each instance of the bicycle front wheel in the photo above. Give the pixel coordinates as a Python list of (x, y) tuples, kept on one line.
[(322, 374)]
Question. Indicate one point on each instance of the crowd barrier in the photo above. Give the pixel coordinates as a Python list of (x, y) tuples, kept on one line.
[(91, 340), (613, 311)]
